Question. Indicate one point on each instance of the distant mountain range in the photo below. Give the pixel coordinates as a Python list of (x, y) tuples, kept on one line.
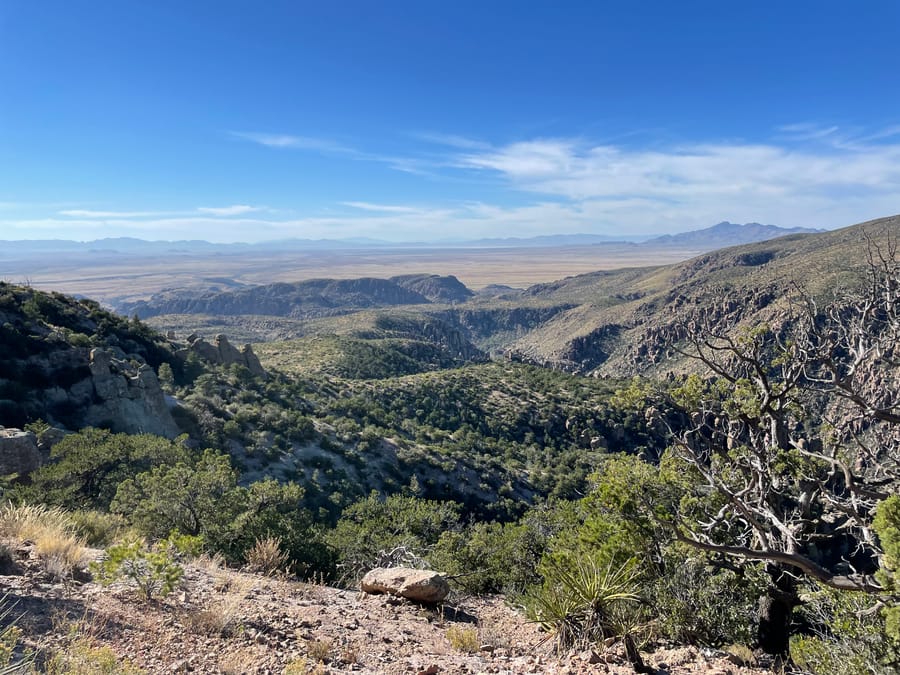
[(723, 234), (610, 323), (727, 234)]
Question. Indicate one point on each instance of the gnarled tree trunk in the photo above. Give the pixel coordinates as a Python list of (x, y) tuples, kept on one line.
[(776, 610)]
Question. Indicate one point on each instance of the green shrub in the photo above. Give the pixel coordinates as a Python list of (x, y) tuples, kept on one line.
[(887, 525), (87, 467), (98, 528), (369, 530), (844, 634), (196, 499), (694, 603), (153, 570)]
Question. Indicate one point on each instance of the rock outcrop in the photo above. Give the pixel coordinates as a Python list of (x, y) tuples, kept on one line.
[(418, 585), (124, 396), (19, 452), (223, 353)]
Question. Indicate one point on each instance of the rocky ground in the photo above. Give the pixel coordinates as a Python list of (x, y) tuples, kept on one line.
[(225, 621)]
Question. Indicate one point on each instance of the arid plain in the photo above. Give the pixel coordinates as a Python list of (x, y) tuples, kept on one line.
[(112, 278)]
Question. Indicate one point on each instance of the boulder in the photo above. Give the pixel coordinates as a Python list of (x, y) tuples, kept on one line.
[(18, 452), (419, 585)]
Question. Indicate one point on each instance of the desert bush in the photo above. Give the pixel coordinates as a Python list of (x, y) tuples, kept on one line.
[(153, 570), (373, 526), (694, 603), (200, 498), (266, 557), (887, 525), (844, 633), (87, 467), (499, 557)]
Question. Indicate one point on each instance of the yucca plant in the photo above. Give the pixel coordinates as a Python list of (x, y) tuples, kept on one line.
[(583, 600), (9, 640)]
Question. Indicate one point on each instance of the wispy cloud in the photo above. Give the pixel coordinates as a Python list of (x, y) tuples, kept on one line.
[(297, 142), (402, 163), (728, 176), (87, 213), (234, 210), (381, 208), (803, 175), (451, 140), (807, 131)]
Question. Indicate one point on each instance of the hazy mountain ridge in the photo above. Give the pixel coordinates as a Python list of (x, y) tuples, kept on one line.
[(728, 234), (617, 322), (722, 234), (616, 333)]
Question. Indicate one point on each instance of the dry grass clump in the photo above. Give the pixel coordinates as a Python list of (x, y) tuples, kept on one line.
[(60, 557), (52, 532), (26, 522), (319, 650), (463, 639), (221, 616), (301, 666), (81, 651), (266, 557)]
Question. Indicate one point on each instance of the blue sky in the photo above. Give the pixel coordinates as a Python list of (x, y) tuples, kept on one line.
[(426, 120)]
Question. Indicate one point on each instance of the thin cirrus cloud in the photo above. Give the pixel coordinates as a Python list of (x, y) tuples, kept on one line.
[(805, 174), (296, 142), (89, 213), (234, 210), (381, 208)]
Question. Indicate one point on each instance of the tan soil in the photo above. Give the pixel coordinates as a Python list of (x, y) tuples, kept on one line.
[(274, 624)]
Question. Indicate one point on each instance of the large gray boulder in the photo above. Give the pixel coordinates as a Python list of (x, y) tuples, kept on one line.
[(419, 585), (18, 452)]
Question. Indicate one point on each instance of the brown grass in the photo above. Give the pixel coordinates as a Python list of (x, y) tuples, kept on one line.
[(266, 557), (52, 532)]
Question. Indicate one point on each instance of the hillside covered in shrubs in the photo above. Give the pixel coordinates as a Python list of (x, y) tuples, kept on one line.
[(748, 504)]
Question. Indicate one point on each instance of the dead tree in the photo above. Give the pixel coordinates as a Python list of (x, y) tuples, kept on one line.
[(796, 439)]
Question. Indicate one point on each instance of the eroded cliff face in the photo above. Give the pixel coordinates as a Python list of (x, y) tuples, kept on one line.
[(76, 387), (125, 397)]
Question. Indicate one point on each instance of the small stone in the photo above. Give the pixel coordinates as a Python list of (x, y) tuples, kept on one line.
[(180, 666), (592, 657)]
